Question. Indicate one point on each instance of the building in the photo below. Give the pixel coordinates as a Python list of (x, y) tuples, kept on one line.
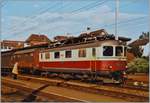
[(59, 38), (130, 57), (10, 44), (139, 42), (143, 44), (94, 33), (36, 39)]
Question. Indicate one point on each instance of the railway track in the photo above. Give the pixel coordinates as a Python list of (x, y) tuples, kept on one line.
[(55, 92), (129, 84), (117, 92), (126, 86), (25, 87)]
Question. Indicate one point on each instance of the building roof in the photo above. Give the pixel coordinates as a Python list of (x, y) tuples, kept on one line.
[(59, 38), (11, 43), (139, 42), (95, 33), (37, 38)]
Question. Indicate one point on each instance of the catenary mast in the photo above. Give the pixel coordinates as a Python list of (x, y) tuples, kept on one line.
[(116, 19)]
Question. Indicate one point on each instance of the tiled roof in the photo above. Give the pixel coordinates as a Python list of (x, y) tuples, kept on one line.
[(37, 38), (11, 43), (139, 42), (59, 38), (95, 33)]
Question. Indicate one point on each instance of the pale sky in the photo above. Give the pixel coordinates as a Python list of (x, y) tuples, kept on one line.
[(20, 18)]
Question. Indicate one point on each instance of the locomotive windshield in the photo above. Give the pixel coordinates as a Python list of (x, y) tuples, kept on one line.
[(119, 51), (107, 51)]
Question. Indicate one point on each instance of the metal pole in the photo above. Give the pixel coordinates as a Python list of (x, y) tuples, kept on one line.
[(116, 19)]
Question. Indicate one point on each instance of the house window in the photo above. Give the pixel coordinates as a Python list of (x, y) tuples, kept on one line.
[(68, 54), (47, 55), (107, 51), (93, 52), (56, 55), (82, 53)]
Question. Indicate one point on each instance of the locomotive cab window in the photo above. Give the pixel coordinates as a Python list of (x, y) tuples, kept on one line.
[(107, 51), (68, 54), (119, 51), (57, 55), (82, 53)]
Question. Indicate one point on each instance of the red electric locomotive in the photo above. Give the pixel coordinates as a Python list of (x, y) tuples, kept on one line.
[(91, 56)]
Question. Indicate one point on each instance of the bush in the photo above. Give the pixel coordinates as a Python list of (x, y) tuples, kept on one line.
[(138, 65)]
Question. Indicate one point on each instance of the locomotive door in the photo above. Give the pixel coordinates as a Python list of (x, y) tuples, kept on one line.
[(93, 61), (93, 65)]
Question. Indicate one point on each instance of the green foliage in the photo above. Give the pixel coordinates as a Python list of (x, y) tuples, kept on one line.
[(139, 65)]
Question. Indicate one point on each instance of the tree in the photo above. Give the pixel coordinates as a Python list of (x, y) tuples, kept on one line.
[(139, 65), (144, 35), (137, 51)]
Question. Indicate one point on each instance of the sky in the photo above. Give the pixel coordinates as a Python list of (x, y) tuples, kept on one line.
[(21, 18)]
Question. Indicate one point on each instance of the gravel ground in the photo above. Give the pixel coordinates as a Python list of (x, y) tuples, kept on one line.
[(11, 94), (14, 95), (18, 96), (139, 77)]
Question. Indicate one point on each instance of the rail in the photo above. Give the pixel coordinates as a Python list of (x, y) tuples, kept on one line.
[(123, 93), (37, 92)]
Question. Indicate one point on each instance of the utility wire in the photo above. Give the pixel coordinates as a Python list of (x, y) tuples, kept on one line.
[(126, 21), (89, 6), (44, 12), (74, 11), (2, 3), (34, 16)]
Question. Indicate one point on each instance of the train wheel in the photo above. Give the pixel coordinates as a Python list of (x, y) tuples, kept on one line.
[(53, 75), (100, 82)]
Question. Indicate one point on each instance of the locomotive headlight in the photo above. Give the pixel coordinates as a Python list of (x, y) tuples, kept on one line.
[(110, 67)]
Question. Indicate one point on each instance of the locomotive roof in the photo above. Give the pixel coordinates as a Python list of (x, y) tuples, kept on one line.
[(26, 48), (77, 42)]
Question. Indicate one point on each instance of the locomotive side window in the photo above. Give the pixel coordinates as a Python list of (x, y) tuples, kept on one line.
[(68, 54), (41, 55), (56, 55), (31, 54), (47, 55), (119, 51), (125, 51), (82, 53), (107, 51), (93, 52)]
